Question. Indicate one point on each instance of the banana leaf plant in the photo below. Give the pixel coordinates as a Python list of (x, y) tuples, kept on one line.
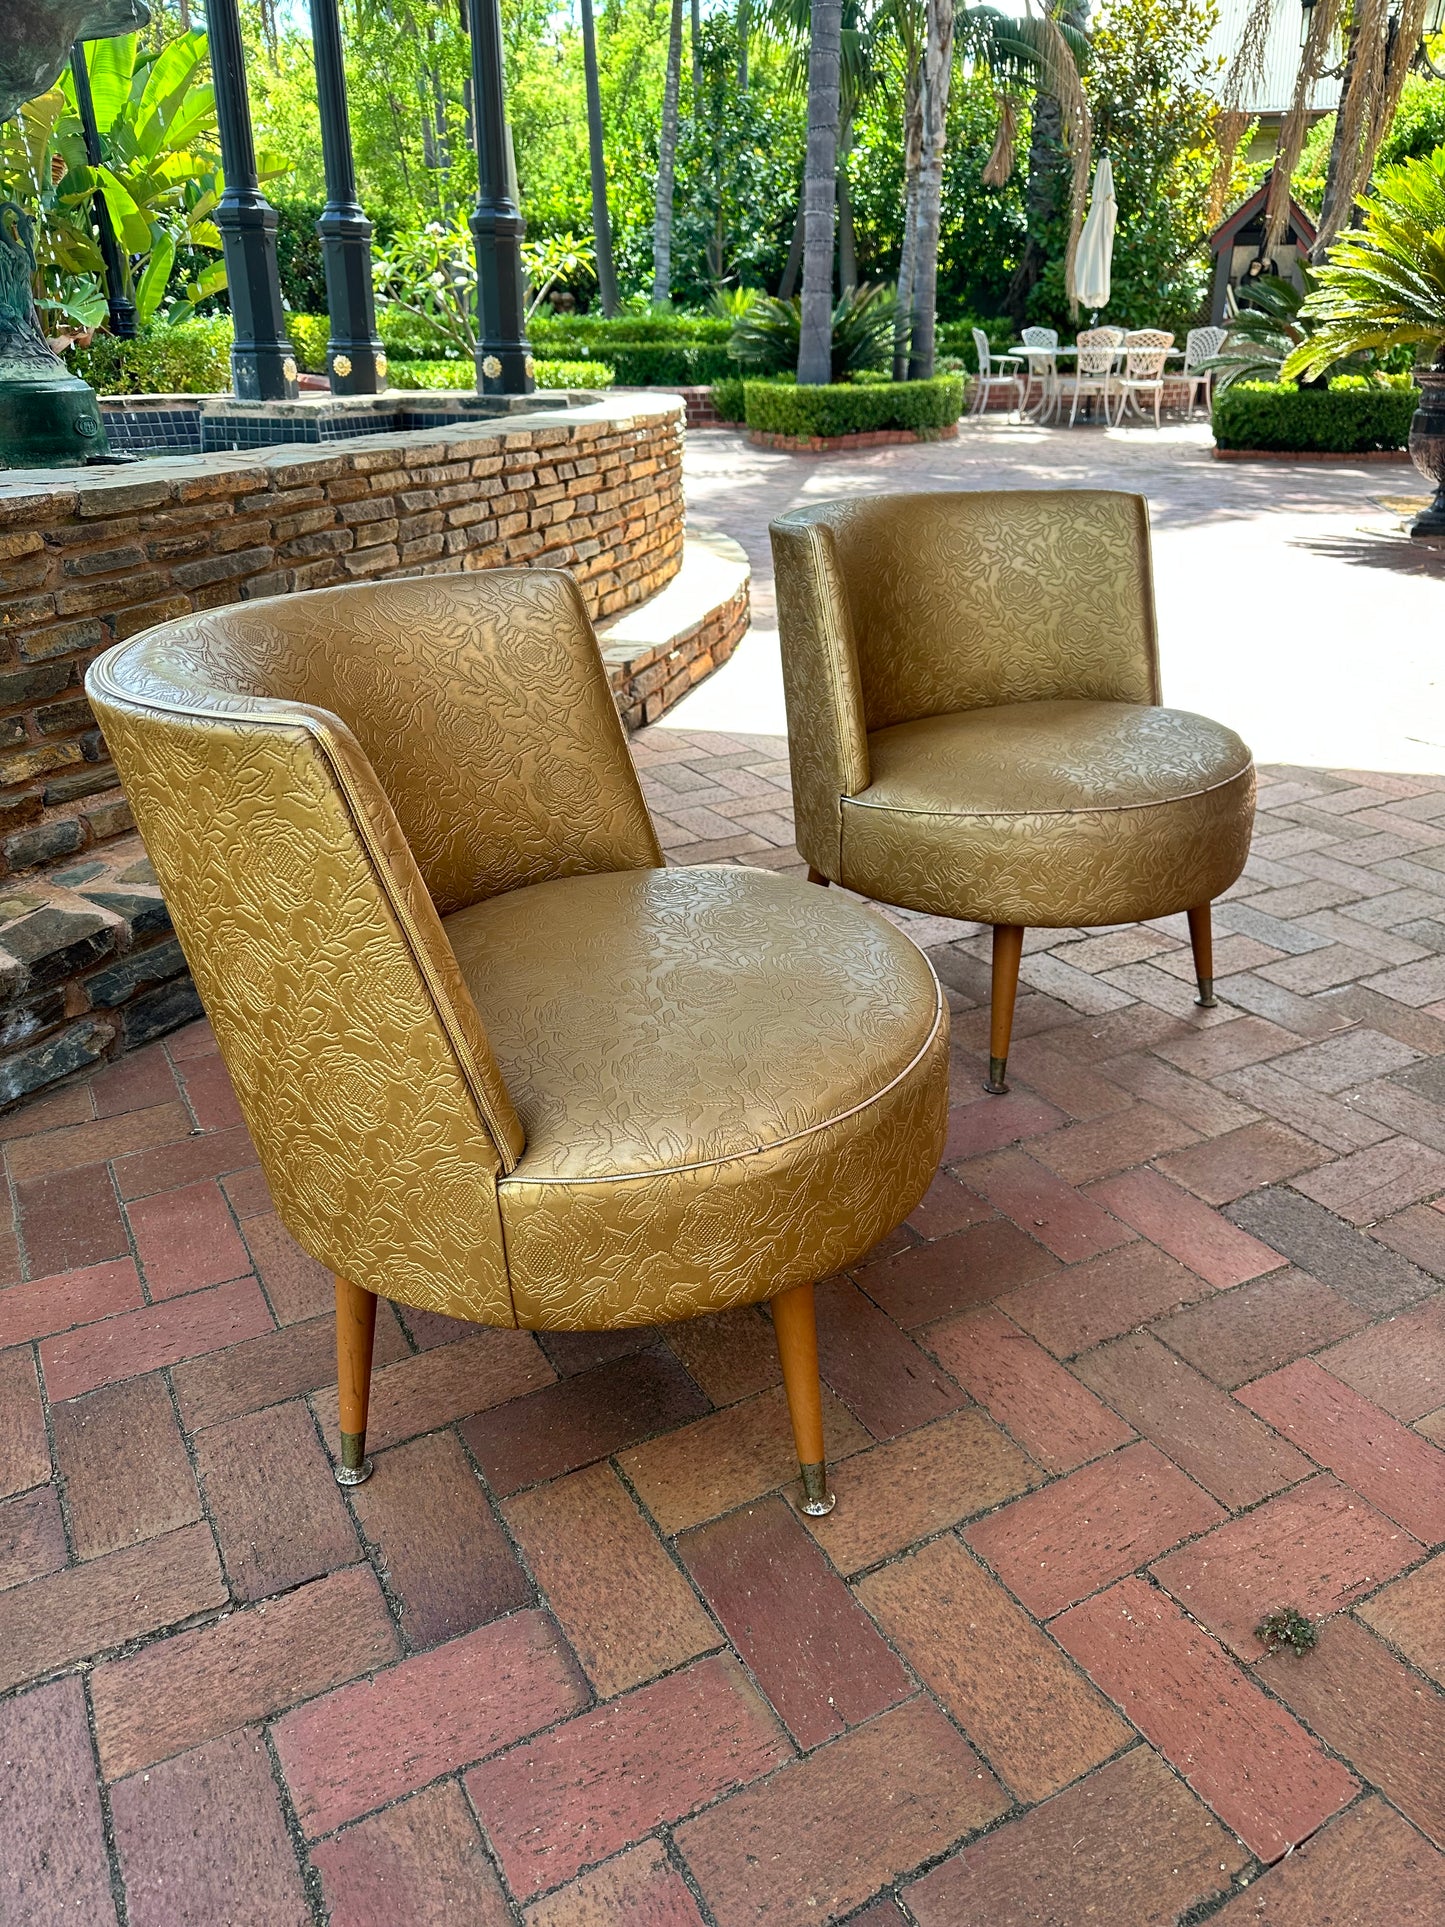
[(159, 173)]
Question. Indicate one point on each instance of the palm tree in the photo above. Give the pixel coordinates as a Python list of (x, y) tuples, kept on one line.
[(1381, 38), (1047, 52), (820, 176), (933, 105), (666, 164), (601, 223)]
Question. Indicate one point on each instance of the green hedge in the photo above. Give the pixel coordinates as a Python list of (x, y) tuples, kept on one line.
[(462, 374), (552, 331), (1338, 420), (193, 359), (643, 364), (780, 408), (309, 335)]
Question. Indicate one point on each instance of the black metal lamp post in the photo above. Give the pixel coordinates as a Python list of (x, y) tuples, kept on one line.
[(354, 357), (504, 357), (119, 297), (263, 364)]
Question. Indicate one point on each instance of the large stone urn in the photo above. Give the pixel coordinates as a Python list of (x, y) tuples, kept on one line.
[(1427, 448)]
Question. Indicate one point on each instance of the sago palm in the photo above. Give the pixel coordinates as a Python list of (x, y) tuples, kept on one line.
[(1383, 285)]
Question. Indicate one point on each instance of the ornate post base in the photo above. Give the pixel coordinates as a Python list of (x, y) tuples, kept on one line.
[(1427, 451), (49, 418), (49, 421)]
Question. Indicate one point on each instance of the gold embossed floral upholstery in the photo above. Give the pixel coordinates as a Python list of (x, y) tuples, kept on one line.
[(322, 780), (972, 686), (700, 1134), (1052, 814)]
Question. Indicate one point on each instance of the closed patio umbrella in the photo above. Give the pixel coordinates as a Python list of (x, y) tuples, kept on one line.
[(1096, 242)]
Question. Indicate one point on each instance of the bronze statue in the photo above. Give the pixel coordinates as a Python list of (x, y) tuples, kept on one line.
[(47, 415), (36, 37)]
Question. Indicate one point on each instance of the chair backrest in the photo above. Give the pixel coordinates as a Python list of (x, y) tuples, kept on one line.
[(1201, 344), (1148, 350), (316, 778), (1096, 351), (960, 599), (981, 349), (1116, 335), (1040, 337)]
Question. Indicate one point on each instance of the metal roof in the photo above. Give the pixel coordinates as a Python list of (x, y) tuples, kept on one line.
[(1273, 92)]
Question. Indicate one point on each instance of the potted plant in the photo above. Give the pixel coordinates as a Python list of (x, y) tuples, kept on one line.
[(1384, 286)]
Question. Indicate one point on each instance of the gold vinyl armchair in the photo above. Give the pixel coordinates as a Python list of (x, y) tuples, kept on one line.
[(974, 719), (496, 1059)]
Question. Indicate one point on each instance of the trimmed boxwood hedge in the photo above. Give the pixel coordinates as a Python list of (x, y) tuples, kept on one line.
[(1346, 418), (192, 359), (842, 408), (553, 331), (463, 374)]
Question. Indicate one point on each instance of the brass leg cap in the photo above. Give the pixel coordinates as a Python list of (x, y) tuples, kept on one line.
[(1206, 998), (818, 1501), (997, 1085), (355, 1468)]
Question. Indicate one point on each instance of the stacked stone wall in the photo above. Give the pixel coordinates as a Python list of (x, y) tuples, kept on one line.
[(88, 964)]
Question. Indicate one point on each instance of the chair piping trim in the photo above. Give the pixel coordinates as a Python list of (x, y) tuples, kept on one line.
[(1088, 809), (511, 1181), (411, 936)]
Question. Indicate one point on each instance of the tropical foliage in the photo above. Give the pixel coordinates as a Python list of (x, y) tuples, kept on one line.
[(1382, 285), (159, 174)]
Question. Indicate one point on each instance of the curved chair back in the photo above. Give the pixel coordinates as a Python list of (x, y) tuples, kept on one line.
[(319, 778), (1040, 337), (906, 606), (1147, 351), (1096, 351), (1201, 344), (983, 352)]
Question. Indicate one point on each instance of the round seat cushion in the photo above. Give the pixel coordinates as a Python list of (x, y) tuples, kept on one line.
[(1051, 814), (730, 1082)]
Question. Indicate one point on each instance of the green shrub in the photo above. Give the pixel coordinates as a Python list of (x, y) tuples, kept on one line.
[(727, 398), (1342, 419), (191, 359), (645, 364), (309, 335), (727, 395), (955, 338), (404, 335), (846, 408), (456, 373), (766, 338), (551, 331)]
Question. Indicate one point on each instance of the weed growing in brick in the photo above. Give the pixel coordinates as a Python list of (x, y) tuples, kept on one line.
[(1288, 1627)]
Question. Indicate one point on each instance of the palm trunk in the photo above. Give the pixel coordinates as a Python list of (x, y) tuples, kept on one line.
[(1337, 168), (601, 221), (793, 266), (744, 28), (820, 178), (847, 243), (666, 164), (908, 256), (937, 75), (696, 52)]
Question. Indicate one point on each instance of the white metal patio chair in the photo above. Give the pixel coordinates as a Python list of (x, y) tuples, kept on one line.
[(988, 380), (1201, 344), (1093, 371), (1145, 352), (1041, 355)]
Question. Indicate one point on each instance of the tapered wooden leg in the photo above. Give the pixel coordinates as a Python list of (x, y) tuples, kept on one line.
[(1008, 950), (355, 1330), (797, 1333), (1201, 935), (816, 876)]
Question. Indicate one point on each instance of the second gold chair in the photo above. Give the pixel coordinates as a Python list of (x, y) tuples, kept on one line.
[(975, 725)]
